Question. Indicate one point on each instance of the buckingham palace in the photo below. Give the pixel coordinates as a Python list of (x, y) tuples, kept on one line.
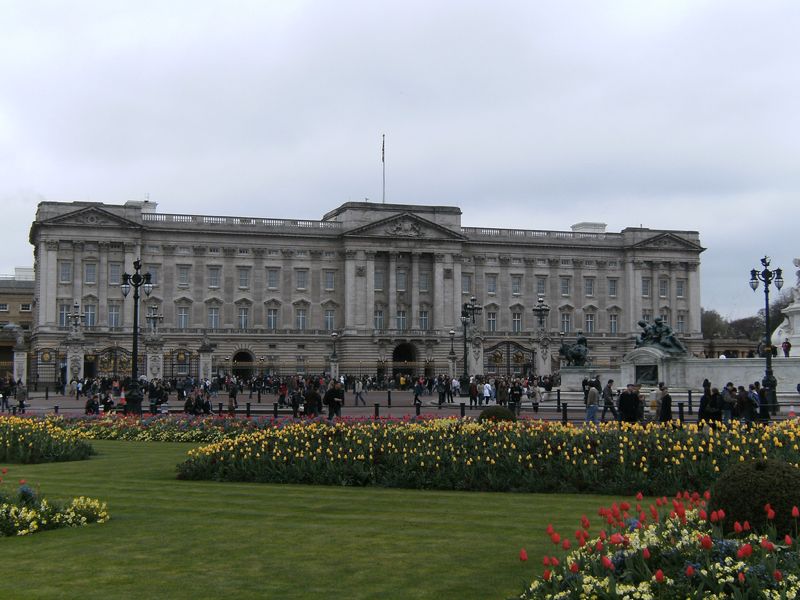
[(370, 289)]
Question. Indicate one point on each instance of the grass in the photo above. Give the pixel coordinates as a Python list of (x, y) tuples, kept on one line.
[(179, 539)]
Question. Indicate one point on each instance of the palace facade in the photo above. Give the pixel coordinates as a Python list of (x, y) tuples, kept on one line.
[(369, 289)]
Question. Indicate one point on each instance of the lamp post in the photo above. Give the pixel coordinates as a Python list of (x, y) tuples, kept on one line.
[(135, 281), (541, 310), (334, 336), (468, 311), (153, 318), (452, 337), (768, 276), (76, 317)]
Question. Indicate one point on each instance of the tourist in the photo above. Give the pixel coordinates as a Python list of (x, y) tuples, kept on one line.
[(665, 408), (786, 346), (334, 399), (592, 402), (487, 393), (313, 402), (358, 390), (608, 401), (473, 393), (629, 404)]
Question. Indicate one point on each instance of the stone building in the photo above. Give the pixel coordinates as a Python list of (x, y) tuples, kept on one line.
[(378, 288), (16, 320)]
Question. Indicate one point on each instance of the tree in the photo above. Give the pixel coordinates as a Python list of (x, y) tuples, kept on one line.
[(713, 324)]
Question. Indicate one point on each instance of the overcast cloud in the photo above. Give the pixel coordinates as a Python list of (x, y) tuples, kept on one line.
[(676, 114)]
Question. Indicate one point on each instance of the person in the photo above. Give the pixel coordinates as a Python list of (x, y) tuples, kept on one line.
[(473, 393), (334, 399), (487, 393), (515, 395), (728, 402), (440, 389), (747, 404), (665, 411), (419, 389), (712, 412), (608, 401), (92, 405), (502, 392), (592, 401), (786, 346), (22, 396), (4, 400), (629, 404), (313, 402), (358, 390)]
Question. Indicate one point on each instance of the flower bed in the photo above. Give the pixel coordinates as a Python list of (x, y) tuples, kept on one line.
[(529, 456), (24, 440), (670, 549), (25, 512)]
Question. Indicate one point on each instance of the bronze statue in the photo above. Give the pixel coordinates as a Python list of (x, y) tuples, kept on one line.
[(659, 335), (575, 354)]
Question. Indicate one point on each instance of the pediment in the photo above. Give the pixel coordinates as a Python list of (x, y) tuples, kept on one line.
[(407, 226), (92, 216), (667, 241)]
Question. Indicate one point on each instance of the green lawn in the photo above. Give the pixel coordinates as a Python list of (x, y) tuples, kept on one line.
[(178, 539)]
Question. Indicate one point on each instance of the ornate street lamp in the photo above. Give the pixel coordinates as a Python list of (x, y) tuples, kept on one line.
[(334, 336), (137, 280), (76, 317), (452, 337), (153, 318), (468, 311), (768, 276), (541, 310)]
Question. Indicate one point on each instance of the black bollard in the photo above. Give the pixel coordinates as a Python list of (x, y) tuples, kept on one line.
[(389, 398), (691, 412), (247, 410), (275, 410), (14, 410), (377, 410), (680, 412), (55, 409), (463, 410), (512, 406), (416, 408), (558, 399), (46, 393), (564, 418), (220, 409), (259, 395)]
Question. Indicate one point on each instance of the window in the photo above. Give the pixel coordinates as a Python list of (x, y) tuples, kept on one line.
[(244, 317), (63, 315), (646, 285), (424, 281), (663, 288), (378, 280), (401, 320), (491, 284), (516, 322), (330, 280), (183, 275), (244, 278), (491, 321), (300, 319), (330, 319), (272, 278), (90, 273), (665, 318), (213, 278), (301, 279), (272, 318), (114, 315), (423, 320), (401, 280), (90, 315), (4, 307), (566, 322), (378, 319), (565, 286), (114, 273), (541, 285), (65, 271), (588, 286), (680, 288), (612, 288), (25, 307), (588, 322), (153, 270), (183, 317), (613, 327), (680, 326), (516, 285), (466, 283), (213, 317), (647, 316)]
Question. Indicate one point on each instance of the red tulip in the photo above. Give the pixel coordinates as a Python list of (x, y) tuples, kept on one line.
[(565, 545), (660, 576), (703, 514), (795, 512), (4, 471), (574, 567), (737, 527), (607, 563), (714, 516), (788, 540), (523, 555), (745, 551), (690, 571), (22, 482), (746, 525), (546, 575), (639, 496), (706, 542), (554, 561), (646, 553), (555, 538), (721, 514), (546, 561), (550, 529), (770, 515), (741, 577), (778, 575)]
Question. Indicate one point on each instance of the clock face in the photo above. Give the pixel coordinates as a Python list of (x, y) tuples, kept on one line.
[(46, 356)]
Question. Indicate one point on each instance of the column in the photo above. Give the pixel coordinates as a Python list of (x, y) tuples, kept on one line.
[(632, 307), (102, 283), (349, 289), (440, 321), (457, 300), (693, 281), (48, 283), (414, 285), (392, 324), (370, 284)]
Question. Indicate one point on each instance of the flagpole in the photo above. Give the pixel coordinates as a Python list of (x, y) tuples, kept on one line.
[(383, 163)]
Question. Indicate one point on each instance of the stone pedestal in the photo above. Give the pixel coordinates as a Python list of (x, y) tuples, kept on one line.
[(205, 365), (75, 358), (334, 368), (451, 365), (20, 365), (154, 358)]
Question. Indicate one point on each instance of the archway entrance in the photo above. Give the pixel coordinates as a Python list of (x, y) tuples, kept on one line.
[(404, 362), (242, 366)]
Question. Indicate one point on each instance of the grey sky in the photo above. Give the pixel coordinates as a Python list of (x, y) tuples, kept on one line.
[(678, 114)]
